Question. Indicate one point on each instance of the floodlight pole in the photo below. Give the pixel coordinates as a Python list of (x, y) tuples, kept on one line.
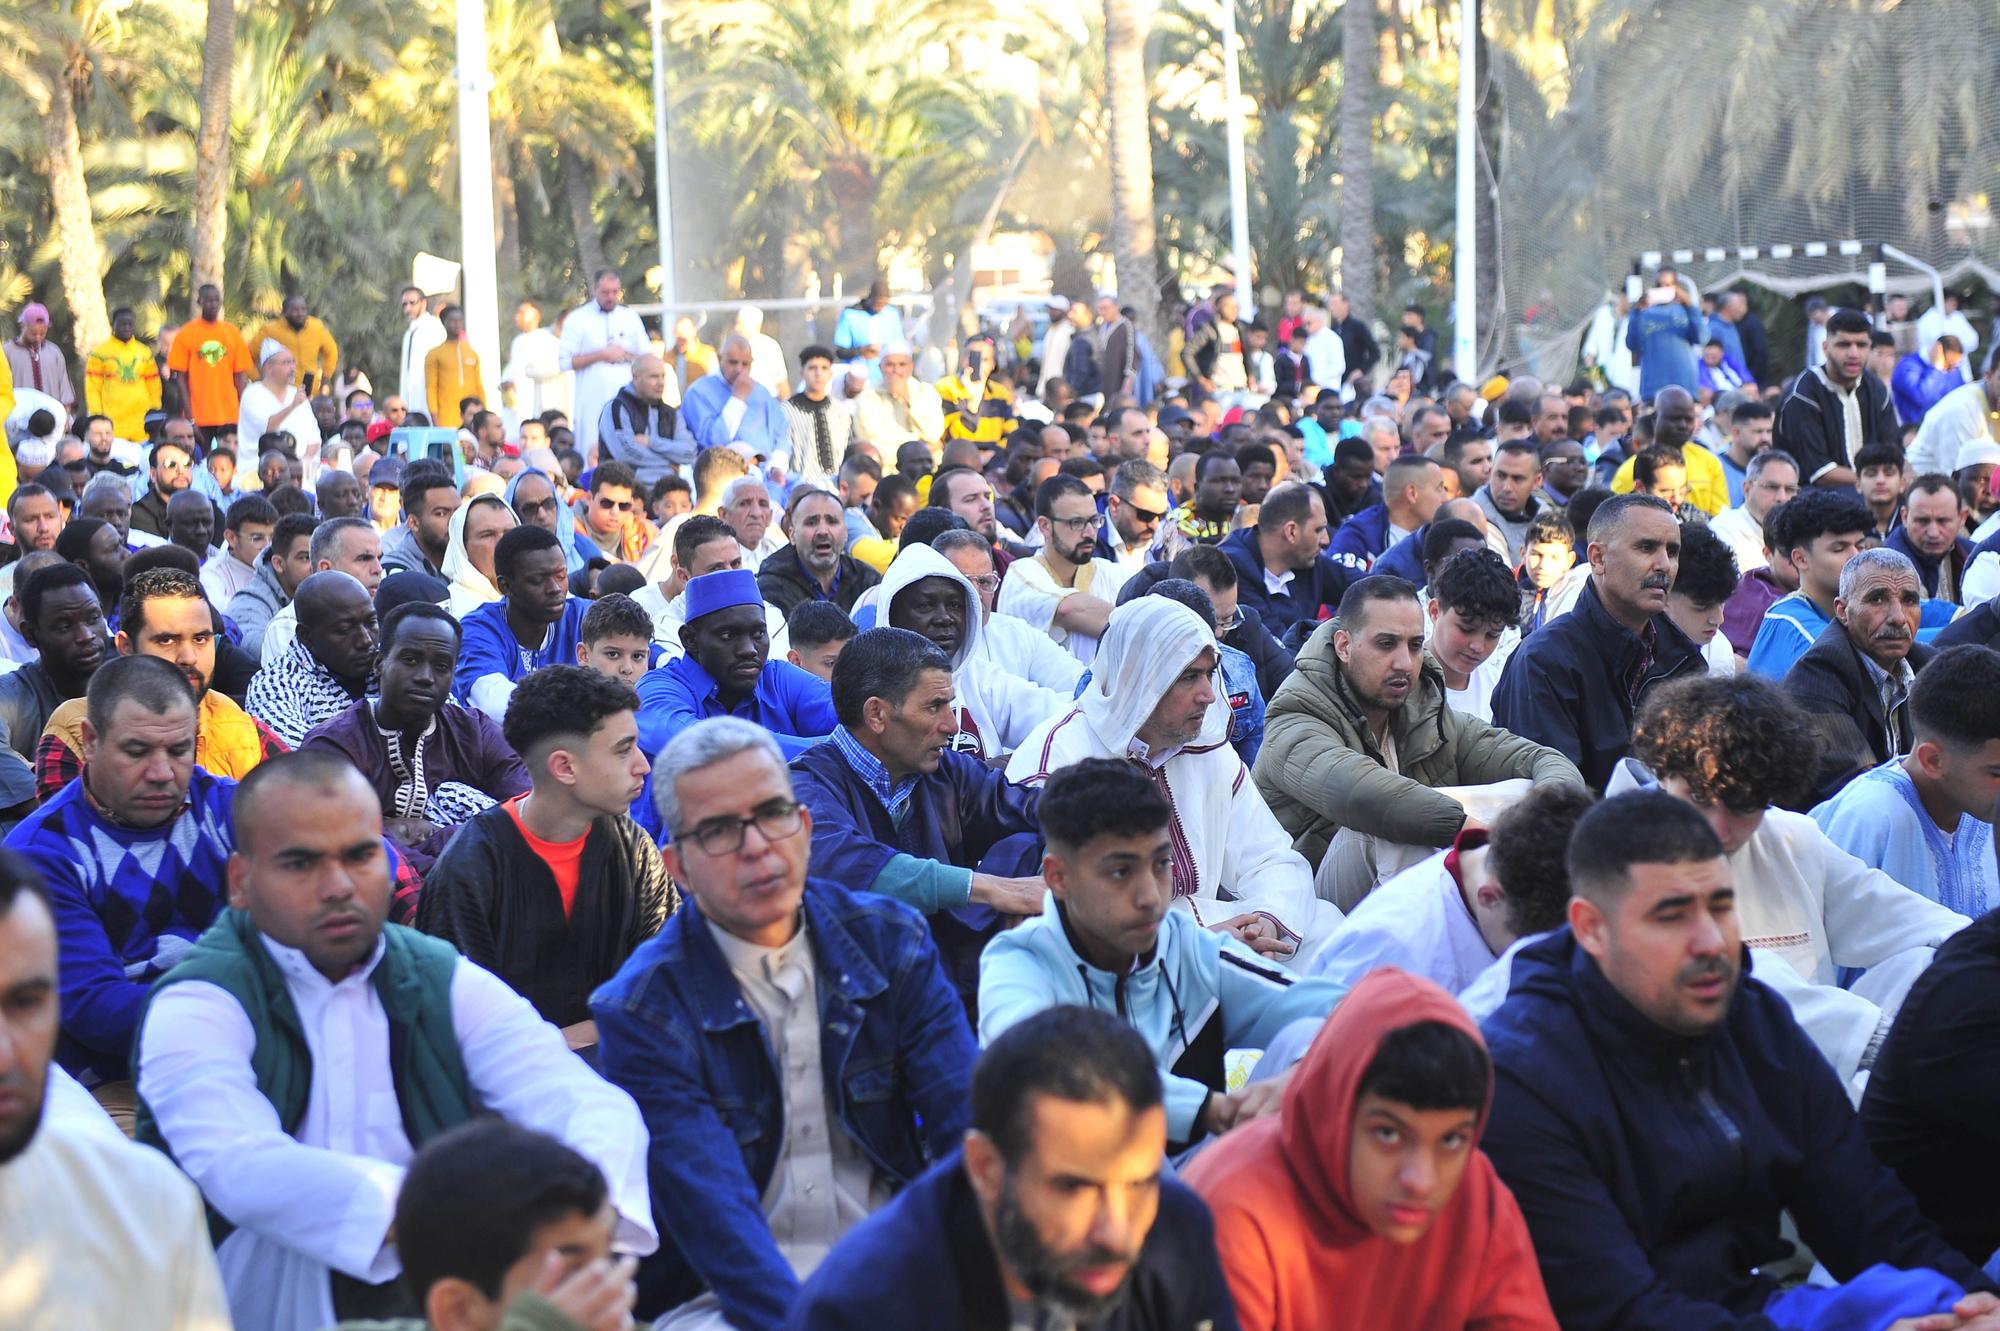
[(1239, 188), (478, 257), (663, 203), (1465, 247)]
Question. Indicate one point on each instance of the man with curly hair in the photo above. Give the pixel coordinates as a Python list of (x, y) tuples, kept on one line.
[(1734, 747)]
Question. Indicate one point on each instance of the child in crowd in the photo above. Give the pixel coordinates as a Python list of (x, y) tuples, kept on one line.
[(817, 631), (616, 639)]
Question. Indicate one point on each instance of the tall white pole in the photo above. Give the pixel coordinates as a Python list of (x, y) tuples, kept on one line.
[(1465, 247), (1239, 188), (663, 202), (475, 190)]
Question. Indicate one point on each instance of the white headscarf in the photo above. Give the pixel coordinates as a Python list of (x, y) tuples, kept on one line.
[(1147, 644), (470, 588)]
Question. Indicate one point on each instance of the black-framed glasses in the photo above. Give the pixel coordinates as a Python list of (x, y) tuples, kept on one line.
[(724, 835), (1078, 525)]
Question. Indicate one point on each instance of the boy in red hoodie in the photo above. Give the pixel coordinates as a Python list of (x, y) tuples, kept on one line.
[(1366, 1201)]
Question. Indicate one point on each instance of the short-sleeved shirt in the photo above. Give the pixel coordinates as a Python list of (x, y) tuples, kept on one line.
[(211, 355)]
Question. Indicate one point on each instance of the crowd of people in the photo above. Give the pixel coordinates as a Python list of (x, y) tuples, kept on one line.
[(1255, 831)]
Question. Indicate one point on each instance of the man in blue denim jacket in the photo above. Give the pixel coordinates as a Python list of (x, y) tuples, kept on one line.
[(794, 1047)]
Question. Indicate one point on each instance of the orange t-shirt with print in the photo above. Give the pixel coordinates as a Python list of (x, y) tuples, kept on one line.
[(211, 355)]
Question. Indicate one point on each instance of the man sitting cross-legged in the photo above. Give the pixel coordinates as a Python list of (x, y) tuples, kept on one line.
[(433, 763), (897, 811), (305, 1049), (1107, 938), (793, 1044), (1152, 700), (553, 889), (1364, 763), (1654, 1110)]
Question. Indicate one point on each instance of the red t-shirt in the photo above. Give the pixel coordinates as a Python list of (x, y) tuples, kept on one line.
[(564, 858)]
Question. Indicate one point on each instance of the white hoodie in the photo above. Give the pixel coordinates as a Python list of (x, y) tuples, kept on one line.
[(996, 709)]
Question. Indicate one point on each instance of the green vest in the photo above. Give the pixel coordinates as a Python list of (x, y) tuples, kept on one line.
[(413, 980)]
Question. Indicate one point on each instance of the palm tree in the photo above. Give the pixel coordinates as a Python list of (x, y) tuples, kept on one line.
[(847, 109), (1357, 149), (1131, 151), (211, 176)]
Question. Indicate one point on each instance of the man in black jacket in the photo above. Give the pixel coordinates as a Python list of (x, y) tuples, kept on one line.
[(1855, 679), (553, 889), (1575, 684), (814, 567), (987, 1235), (1362, 351), (1287, 547), (1655, 1109), (1835, 411)]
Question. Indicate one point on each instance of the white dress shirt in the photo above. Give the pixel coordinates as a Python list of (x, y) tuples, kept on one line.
[(326, 1198), (587, 328)]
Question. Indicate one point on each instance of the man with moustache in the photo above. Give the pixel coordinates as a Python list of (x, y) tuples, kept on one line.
[(1575, 685), (815, 565), (1855, 679)]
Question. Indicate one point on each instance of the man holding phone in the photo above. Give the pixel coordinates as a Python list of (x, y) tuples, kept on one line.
[(306, 338), (1663, 333)]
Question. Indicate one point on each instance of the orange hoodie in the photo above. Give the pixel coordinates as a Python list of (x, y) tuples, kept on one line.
[(1297, 1255)]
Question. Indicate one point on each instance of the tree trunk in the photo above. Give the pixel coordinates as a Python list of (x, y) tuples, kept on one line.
[(1357, 161), (80, 258), (1130, 140), (589, 239), (506, 224), (212, 165)]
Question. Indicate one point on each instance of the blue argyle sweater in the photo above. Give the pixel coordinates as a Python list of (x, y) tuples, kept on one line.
[(119, 894)]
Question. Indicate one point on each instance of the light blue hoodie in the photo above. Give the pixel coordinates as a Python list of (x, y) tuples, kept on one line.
[(1197, 995)]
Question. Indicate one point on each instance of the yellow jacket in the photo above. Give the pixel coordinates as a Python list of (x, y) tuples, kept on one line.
[(6, 390), (314, 346), (1708, 487), (122, 380), (989, 430), (451, 373)]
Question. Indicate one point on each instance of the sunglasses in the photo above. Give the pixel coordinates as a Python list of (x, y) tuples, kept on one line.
[(621, 506), (1143, 514)]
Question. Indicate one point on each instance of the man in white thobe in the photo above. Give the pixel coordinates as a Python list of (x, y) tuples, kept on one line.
[(94, 1231), (600, 340), (385, 1031), (534, 371), (422, 332), (1152, 701)]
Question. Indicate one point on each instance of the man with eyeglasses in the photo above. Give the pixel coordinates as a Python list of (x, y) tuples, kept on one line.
[(797, 1056), (553, 889), (1065, 591), (421, 332)]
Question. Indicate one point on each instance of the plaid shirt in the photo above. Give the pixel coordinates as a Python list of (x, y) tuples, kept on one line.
[(895, 796)]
